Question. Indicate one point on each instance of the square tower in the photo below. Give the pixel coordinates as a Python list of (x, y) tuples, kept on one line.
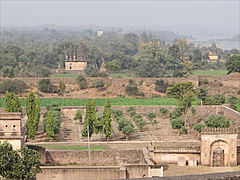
[(11, 129)]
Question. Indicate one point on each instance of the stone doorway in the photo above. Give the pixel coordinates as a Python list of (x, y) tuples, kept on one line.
[(218, 157)]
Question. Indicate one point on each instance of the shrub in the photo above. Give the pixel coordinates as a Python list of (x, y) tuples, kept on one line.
[(217, 122), (15, 86), (238, 92), (193, 111), (117, 114), (176, 113), (131, 90), (198, 127), (177, 123), (125, 126), (151, 116), (217, 99), (163, 111), (140, 122), (62, 87), (78, 116), (57, 120), (91, 71), (46, 86), (161, 86), (141, 94), (82, 82), (99, 84), (233, 100), (203, 81), (131, 111)]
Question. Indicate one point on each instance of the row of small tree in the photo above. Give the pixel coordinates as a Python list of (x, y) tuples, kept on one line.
[(52, 120), (94, 124)]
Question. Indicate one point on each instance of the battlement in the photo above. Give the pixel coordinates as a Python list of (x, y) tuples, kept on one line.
[(177, 149), (219, 131), (10, 116)]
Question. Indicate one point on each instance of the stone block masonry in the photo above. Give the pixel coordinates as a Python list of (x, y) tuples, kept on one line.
[(98, 158)]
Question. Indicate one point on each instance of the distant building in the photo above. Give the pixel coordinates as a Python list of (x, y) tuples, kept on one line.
[(11, 129), (213, 53), (100, 33), (75, 60)]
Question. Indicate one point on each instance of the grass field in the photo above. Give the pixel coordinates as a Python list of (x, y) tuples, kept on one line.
[(210, 72), (101, 101), (65, 75), (79, 148)]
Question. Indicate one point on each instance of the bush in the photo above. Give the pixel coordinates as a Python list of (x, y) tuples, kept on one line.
[(15, 86), (163, 111), (131, 111), (140, 122), (94, 72), (217, 99), (78, 116), (177, 123), (176, 113), (125, 126), (233, 100), (99, 84), (131, 90), (217, 122), (203, 82), (82, 82), (57, 120), (151, 116), (198, 127), (161, 86), (46, 86), (117, 114), (238, 92)]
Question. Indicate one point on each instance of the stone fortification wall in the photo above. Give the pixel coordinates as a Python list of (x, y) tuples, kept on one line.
[(98, 158)]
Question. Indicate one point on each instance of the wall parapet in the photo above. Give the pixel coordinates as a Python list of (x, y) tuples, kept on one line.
[(219, 131)]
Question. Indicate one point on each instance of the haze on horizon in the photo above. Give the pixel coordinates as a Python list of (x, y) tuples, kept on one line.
[(181, 16)]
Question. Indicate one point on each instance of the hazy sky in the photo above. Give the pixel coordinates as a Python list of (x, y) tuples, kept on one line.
[(211, 15)]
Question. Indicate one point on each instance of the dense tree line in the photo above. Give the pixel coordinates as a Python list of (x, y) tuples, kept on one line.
[(38, 53)]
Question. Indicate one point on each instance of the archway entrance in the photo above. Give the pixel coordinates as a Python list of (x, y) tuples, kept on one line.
[(218, 157)]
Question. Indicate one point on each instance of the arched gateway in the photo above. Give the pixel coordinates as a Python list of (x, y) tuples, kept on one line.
[(219, 147)]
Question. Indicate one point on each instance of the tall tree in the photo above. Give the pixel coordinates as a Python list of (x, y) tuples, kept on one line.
[(233, 64), (90, 118), (12, 102), (50, 126), (107, 128), (185, 93), (33, 114)]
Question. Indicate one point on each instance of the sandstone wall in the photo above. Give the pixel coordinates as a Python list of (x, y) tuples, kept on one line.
[(79, 173), (172, 157), (98, 158)]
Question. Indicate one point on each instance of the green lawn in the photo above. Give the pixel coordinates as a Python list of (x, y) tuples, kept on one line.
[(118, 75), (101, 101), (65, 75), (210, 72), (65, 147)]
